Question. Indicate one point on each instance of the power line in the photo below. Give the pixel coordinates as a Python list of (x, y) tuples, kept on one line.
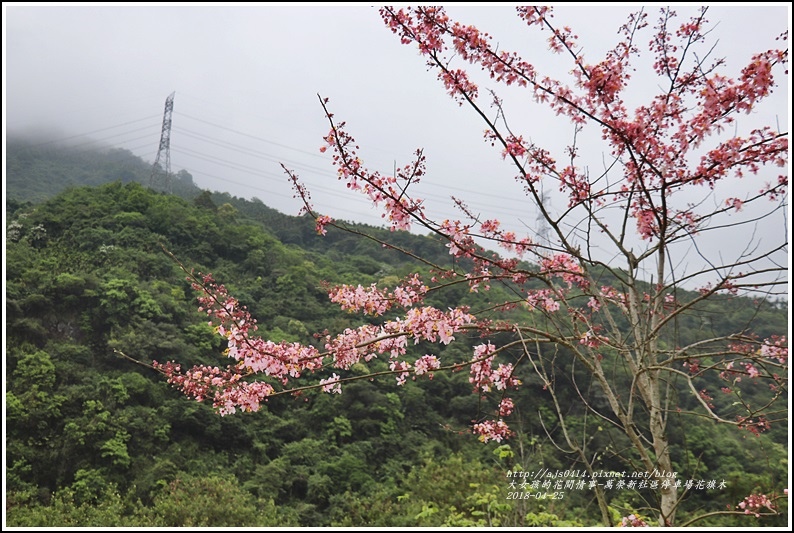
[(248, 151), (269, 157), (224, 163), (518, 210), (94, 142), (62, 139), (250, 136)]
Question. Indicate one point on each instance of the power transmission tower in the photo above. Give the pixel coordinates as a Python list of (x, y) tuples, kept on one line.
[(542, 225), (163, 173)]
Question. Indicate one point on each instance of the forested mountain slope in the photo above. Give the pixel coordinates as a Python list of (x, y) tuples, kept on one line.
[(95, 439)]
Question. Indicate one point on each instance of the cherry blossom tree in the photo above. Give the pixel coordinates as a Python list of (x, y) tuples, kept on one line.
[(604, 288)]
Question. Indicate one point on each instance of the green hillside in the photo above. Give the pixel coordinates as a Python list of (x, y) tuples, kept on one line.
[(94, 439)]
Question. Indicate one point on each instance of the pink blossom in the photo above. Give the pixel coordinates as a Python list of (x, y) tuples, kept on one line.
[(332, 384), (755, 503), (632, 521), (322, 221), (514, 147), (542, 299), (775, 347), (704, 395), (374, 301), (592, 339), (735, 203), (751, 370), (490, 430), (484, 377), (426, 363), (403, 368), (506, 407), (646, 223), (565, 267)]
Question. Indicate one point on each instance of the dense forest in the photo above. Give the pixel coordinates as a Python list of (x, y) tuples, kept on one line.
[(96, 439)]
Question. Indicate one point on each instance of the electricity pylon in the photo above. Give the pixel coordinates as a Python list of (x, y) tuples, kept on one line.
[(163, 173), (542, 225)]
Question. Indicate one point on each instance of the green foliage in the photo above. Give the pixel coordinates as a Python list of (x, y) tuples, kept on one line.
[(92, 439), (215, 501), (544, 519), (66, 510)]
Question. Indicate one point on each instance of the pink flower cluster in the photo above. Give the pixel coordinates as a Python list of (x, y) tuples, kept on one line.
[(320, 223), (230, 388), (506, 407), (756, 427), (660, 137), (514, 147), (751, 370), (227, 388), (612, 295), (403, 368), (426, 364), (460, 242), (399, 207), (773, 350), (735, 203), (506, 239), (535, 15), (632, 521), (484, 377), (332, 384), (576, 184), (458, 85), (605, 80), (776, 347), (755, 504), (492, 430), (431, 324), (591, 339), (706, 397), (374, 301), (565, 267), (647, 225), (543, 299)]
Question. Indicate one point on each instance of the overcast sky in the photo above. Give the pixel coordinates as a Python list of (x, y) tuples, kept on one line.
[(247, 78)]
